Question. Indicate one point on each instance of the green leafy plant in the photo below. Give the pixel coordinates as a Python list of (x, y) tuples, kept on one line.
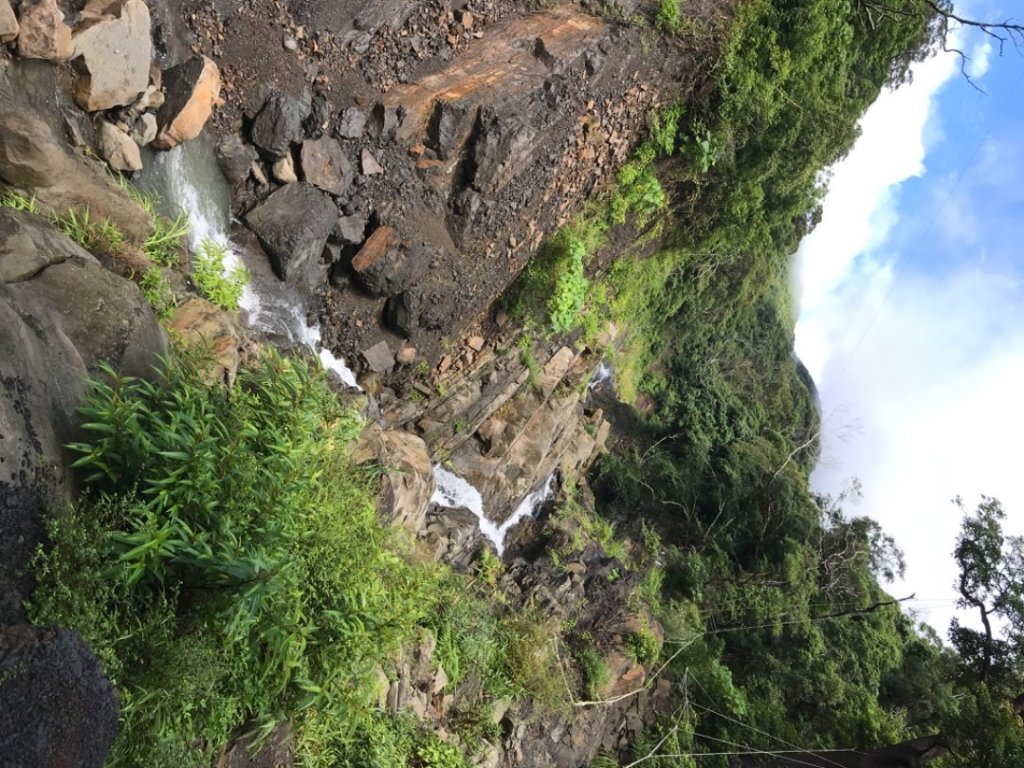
[(224, 290), (566, 305), (99, 236), (667, 16), (17, 201), (166, 244)]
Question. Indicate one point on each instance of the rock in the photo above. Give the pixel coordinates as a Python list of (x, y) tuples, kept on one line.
[(401, 312), (319, 118), (385, 267), (409, 475), (56, 706), (369, 163), (192, 88), (43, 33), (379, 357), (293, 225), (350, 229), (151, 99), (476, 343), (201, 325), (118, 148), (290, 43), (351, 123), (235, 159), (8, 22), (284, 169), (52, 344), (112, 55), (34, 160), (406, 356), (324, 165), (448, 127), (383, 122), (439, 681), (279, 123), (144, 130)]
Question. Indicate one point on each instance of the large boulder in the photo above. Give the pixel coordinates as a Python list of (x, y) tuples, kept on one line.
[(193, 89), (279, 123), (61, 315), (112, 54), (34, 160), (293, 225), (8, 22), (56, 706), (409, 474), (201, 325), (43, 34), (385, 266)]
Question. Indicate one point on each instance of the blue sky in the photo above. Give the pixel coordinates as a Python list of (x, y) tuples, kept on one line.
[(912, 308)]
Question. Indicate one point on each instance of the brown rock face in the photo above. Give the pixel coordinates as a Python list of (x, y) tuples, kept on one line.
[(200, 324), (193, 88), (32, 159), (8, 22), (113, 55), (44, 35)]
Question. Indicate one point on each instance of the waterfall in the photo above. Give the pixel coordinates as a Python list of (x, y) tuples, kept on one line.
[(455, 492), (188, 180)]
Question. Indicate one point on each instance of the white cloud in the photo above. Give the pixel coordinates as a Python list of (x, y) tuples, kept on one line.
[(978, 64)]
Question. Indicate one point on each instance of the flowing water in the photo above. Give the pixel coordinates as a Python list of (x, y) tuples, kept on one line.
[(187, 179), (454, 492)]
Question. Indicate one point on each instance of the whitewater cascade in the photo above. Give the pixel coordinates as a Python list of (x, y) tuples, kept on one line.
[(455, 492)]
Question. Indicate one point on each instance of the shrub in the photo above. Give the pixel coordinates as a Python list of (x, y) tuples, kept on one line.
[(667, 17), (224, 290), (566, 305), (157, 291)]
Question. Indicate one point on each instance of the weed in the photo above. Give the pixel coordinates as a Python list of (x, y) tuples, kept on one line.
[(17, 201), (101, 237), (593, 668), (166, 245), (667, 17), (525, 346), (157, 291), (643, 646), (566, 303), (224, 290)]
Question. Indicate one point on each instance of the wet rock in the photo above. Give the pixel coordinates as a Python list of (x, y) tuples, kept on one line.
[(452, 536), (293, 225), (117, 148), (33, 159), (144, 130), (43, 33), (193, 88), (325, 166), (112, 55), (351, 123), (448, 127), (369, 164), (409, 476), (201, 325), (386, 267), (401, 312), (351, 229), (279, 123), (379, 357), (235, 158), (284, 169), (56, 706), (8, 22)]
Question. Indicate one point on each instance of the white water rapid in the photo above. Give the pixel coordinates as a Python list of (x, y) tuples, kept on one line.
[(188, 180), (454, 492)]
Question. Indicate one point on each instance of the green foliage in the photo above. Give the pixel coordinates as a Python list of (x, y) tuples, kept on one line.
[(223, 289), (157, 291), (97, 236), (593, 668), (643, 646), (166, 245), (434, 753), (227, 564), (667, 16), (570, 289), (11, 198)]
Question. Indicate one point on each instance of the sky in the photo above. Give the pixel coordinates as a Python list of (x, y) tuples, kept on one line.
[(912, 309)]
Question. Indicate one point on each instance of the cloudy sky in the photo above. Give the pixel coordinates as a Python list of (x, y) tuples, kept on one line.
[(912, 309)]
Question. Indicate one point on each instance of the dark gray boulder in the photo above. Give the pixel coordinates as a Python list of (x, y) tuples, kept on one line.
[(324, 165), (293, 225), (56, 706), (401, 312), (279, 123), (235, 158), (384, 266), (448, 127)]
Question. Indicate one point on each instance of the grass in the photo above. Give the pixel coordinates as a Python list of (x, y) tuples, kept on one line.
[(157, 291)]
